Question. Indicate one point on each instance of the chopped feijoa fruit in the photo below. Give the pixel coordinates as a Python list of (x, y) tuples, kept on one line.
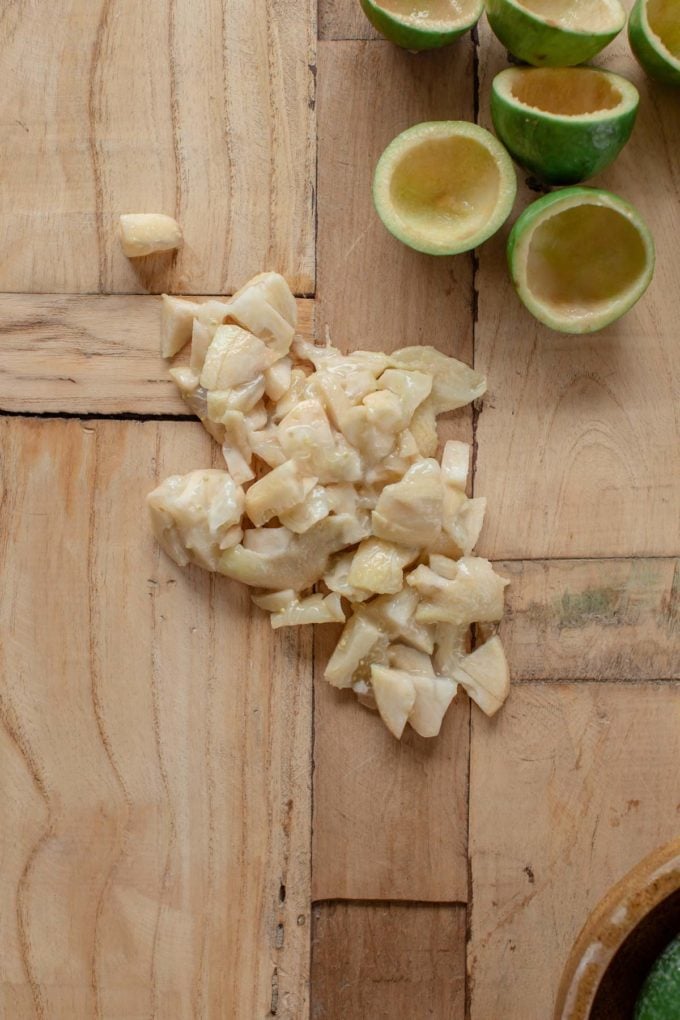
[(564, 124), (332, 477), (580, 258), (444, 187)]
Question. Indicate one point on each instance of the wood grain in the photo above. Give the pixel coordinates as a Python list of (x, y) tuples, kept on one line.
[(570, 785), (90, 354), (390, 817), (579, 438), (592, 619), (373, 291), (185, 107), (344, 19), (155, 750), (388, 960)]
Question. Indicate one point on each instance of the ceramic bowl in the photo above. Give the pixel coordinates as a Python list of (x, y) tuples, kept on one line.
[(621, 939)]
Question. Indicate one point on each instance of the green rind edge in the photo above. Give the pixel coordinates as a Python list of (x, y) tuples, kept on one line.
[(557, 152), (649, 58), (409, 37), (542, 45), (660, 995), (534, 212), (495, 224)]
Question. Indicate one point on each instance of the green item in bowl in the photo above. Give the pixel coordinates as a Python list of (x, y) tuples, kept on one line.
[(660, 995)]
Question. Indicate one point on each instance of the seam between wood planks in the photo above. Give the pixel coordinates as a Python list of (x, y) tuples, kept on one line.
[(96, 416), (659, 681), (476, 411), (387, 903), (300, 295)]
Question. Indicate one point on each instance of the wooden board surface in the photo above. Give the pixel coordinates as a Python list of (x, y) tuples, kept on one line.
[(592, 421), (405, 800), (90, 354), (155, 737), (374, 293), (571, 785), (381, 961), (344, 19), (593, 619), (184, 107), (155, 750)]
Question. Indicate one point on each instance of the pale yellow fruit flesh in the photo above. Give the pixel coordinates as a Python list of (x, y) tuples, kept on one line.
[(429, 13), (576, 15), (446, 189), (664, 20), (583, 257), (564, 91)]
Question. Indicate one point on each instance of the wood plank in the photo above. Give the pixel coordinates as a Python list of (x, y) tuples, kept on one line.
[(579, 439), (571, 785), (592, 619), (344, 19), (89, 354), (375, 293), (155, 750), (390, 817), (388, 960), (181, 106)]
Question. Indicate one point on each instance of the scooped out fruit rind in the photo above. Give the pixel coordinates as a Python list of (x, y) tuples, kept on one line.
[(649, 50), (544, 43), (566, 275), (444, 187), (407, 33), (560, 148)]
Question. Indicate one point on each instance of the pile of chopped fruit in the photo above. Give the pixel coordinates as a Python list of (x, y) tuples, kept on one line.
[(333, 504)]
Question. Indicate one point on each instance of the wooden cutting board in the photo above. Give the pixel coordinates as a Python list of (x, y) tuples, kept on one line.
[(159, 853)]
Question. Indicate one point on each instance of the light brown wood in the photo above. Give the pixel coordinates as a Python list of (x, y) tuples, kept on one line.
[(344, 19), (381, 961), (155, 750), (390, 817), (592, 619), (407, 801), (185, 107), (579, 439), (90, 354), (373, 291), (570, 785)]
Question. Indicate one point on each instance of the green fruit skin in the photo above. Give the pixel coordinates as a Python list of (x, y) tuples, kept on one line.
[(557, 152), (660, 995), (539, 44), (407, 36), (645, 54), (535, 211)]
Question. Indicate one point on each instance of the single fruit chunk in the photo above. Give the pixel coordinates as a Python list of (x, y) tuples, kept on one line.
[(654, 34), (146, 233), (555, 33), (422, 24), (580, 258), (485, 675), (443, 187), (564, 124), (395, 696), (660, 995)]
